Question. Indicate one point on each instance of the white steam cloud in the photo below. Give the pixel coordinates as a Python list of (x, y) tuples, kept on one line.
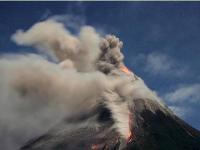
[(36, 93), (53, 38)]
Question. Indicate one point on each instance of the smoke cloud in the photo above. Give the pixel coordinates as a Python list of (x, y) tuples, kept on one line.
[(111, 56), (37, 93), (53, 38)]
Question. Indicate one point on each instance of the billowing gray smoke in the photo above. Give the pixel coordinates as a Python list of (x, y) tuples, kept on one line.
[(111, 57), (52, 38), (36, 93)]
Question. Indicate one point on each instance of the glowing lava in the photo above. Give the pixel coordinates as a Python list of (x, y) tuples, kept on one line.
[(124, 69), (97, 146), (130, 135)]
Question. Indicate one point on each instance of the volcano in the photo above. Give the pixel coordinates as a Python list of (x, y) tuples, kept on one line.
[(125, 116), (153, 126), (100, 103)]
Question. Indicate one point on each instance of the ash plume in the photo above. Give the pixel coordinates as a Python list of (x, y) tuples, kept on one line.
[(111, 57), (36, 93), (51, 37)]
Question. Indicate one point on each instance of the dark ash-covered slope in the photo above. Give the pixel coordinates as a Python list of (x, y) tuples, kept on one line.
[(78, 135), (162, 131), (153, 127)]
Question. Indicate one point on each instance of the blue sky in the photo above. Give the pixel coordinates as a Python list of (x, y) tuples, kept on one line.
[(161, 41)]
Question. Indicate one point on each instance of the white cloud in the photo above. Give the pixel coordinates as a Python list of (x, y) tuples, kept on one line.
[(157, 63), (186, 93), (73, 17), (184, 100), (69, 20), (180, 111), (46, 14)]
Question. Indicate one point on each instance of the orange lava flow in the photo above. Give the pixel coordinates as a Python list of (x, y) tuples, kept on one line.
[(124, 69), (130, 136), (96, 147)]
